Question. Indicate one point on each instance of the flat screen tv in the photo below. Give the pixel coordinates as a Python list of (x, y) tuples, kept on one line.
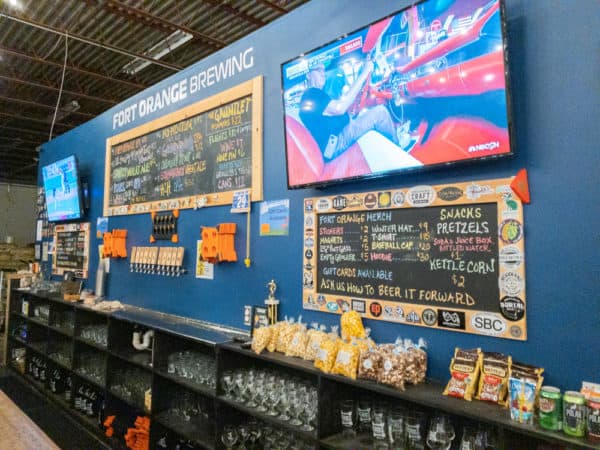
[(422, 88), (62, 189)]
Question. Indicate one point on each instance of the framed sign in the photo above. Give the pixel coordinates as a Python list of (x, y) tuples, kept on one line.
[(71, 249), (260, 318), (449, 257), (196, 156)]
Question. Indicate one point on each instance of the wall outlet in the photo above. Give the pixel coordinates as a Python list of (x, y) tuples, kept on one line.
[(247, 315)]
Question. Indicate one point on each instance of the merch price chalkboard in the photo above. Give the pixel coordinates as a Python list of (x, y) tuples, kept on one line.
[(447, 257), (196, 156), (71, 249)]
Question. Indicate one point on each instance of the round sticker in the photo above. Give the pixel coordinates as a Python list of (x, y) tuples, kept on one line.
[(429, 316), (510, 231), (512, 308), (511, 283)]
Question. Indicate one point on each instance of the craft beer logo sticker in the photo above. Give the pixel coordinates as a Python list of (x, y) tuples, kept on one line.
[(340, 202), (323, 204), (449, 194), (420, 196), (489, 324)]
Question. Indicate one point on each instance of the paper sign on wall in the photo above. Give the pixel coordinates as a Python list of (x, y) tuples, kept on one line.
[(275, 218)]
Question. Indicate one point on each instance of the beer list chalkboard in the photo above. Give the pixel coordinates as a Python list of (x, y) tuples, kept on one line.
[(413, 257), (71, 249), (194, 157)]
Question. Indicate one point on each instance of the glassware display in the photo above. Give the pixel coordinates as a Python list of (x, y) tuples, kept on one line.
[(254, 435), (193, 366), (130, 384), (61, 352), (65, 320), (91, 365), (98, 334), (440, 434), (290, 399)]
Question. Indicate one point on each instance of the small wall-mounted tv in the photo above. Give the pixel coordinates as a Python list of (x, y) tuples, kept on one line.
[(422, 88), (63, 190)]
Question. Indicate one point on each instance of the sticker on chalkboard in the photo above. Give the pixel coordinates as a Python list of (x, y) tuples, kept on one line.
[(511, 283), (384, 199), (429, 317), (340, 202), (308, 205), (355, 201), (512, 308), (450, 194), (358, 306), (323, 204), (451, 319), (420, 196), (398, 198), (370, 201), (510, 231), (511, 257), (475, 191)]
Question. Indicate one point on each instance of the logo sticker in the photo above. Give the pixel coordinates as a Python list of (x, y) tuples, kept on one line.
[(309, 232), (413, 317), (398, 198), (308, 266), (343, 304), (474, 191), (451, 319), (358, 306), (309, 242), (429, 317), (355, 201), (308, 205), (489, 324), (450, 194), (510, 231), (321, 299), (332, 306), (375, 309), (307, 279), (308, 254), (511, 283), (370, 200), (516, 331), (399, 312), (510, 256), (323, 204), (512, 308), (388, 311), (420, 196), (384, 200), (340, 202), (309, 220)]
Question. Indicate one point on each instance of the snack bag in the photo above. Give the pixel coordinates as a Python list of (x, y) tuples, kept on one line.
[(522, 393), (285, 335), (313, 343), (276, 328), (370, 364), (352, 326), (328, 351), (366, 343), (394, 362), (493, 382), (297, 346), (464, 369), (527, 372), (416, 361), (346, 361), (261, 338)]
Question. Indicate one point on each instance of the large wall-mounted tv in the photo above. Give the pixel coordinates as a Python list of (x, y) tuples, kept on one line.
[(62, 189), (422, 88)]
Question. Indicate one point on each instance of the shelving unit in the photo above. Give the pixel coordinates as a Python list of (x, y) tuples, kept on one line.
[(153, 369)]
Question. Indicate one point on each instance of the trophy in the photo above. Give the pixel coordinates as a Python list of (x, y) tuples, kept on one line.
[(272, 302)]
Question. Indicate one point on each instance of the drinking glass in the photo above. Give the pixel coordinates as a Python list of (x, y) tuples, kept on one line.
[(283, 405), (244, 434), (273, 396), (414, 425), (379, 422), (348, 417), (440, 434), (296, 404), (364, 415), (229, 437), (396, 431)]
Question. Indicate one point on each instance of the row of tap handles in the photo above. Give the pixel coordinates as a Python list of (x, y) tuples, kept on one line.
[(166, 261)]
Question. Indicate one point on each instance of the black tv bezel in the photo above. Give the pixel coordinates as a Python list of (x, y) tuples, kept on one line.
[(80, 199), (420, 169)]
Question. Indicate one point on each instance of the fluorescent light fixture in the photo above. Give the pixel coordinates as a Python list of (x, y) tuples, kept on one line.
[(64, 111), (157, 51), (15, 4)]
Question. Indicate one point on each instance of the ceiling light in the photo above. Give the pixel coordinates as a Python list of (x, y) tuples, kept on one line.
[(157, 51), (64, 111), (15, 4)]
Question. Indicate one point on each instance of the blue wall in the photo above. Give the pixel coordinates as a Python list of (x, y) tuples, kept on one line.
[(553, 47)]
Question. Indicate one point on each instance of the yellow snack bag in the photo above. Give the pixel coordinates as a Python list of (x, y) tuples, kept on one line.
[(272, 345), (328, 351), (297, 346), (261, 338), (464, 368), (352, 326), (313, 342), (346, 360), (288, 328), (493, 382)]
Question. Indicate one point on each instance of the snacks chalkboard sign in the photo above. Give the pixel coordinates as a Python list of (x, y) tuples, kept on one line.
[(448, 257), (196, 156)]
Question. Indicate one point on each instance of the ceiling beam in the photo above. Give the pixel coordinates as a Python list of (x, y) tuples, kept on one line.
[(19, 140), (37, 59), (144, 17), (236, 12), (89, 41), (42, 105), (34, 119), (52, 88), (274, 6), (22, 130)]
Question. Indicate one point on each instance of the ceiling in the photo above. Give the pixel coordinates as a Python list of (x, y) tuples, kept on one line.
[(102, 41)]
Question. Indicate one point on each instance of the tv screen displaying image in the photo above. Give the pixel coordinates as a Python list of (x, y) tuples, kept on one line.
[(421, 88), (61, 187)]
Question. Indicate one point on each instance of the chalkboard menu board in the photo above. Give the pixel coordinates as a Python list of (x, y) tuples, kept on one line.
[(196, 156), (71, 249), (448, 257)]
